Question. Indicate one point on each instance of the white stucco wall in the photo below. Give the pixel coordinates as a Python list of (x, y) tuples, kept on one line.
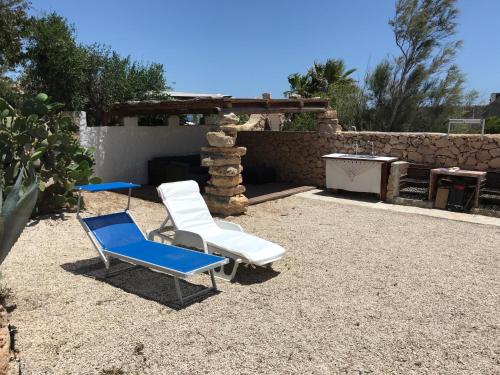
[(122, 152)]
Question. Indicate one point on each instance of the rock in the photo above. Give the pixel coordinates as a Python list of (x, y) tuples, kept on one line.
[(429, 159), (240, 151), (471, 161), (217, 160), (483, 155), (397, 153), (495, 163), (495, 152), (223, 181), (227, 170), (226, 205), (442, 142), (326, 128), (482, 166), (444, 152), (329, 114), (225, 192), (230, 130), (220, 139), (415, 156), (228, 119), (489, 146)]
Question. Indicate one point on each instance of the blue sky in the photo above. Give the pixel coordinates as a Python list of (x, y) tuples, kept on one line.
[(244, 48)]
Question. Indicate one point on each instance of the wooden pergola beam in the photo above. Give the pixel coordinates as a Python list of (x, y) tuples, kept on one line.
[(209, 106)]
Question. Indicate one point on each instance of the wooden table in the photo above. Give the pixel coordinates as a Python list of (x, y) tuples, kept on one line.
[(477, 175)]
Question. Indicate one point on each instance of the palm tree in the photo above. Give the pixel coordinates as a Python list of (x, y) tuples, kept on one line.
[(320, 78), (333, 71), (299, 85)]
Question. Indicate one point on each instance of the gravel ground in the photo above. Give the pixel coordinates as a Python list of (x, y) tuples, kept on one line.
[(360, 291)]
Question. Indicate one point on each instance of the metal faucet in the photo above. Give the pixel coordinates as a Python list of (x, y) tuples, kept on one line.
[(373, 147), (356, 146)]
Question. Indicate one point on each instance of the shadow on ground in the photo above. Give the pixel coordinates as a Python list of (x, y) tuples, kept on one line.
[(248, 275), (349, 195), (157, 286), (140, 281), (54, 216)]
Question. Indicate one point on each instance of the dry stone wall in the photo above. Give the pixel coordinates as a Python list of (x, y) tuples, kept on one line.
[(296, 156)]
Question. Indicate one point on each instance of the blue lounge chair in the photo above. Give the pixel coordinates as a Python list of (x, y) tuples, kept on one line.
[(117, 235)]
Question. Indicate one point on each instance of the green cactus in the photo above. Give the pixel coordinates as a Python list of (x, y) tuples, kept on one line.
[(39, 137), (16, 211)]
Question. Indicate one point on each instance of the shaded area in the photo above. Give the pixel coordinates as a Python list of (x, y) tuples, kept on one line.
[(138, 280)]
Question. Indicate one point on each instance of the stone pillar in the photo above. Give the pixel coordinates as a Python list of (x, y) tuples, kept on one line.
[(328, 122), (398, 169), (224, 192)]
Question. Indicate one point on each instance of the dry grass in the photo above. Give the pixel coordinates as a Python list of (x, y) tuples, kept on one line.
[(360, 291)]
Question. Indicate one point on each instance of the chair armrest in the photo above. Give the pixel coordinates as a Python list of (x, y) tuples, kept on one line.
[(190, 239), (227, 225)]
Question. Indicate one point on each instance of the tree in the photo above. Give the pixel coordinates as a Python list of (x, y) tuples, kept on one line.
[(332, 72), (422, 76), (110, 78), (89, 78), (320, 78), (56, 63), (330, 80), (13, 26), (14, 23)]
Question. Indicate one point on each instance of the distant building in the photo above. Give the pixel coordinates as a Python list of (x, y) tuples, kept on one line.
[(495, 97)]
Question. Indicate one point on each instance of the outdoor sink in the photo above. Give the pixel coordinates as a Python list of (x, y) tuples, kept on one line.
[(358, 172), (360, 157)]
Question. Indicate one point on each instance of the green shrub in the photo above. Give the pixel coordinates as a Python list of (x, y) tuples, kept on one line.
[(39, 137), (492, 125), (301, 122)]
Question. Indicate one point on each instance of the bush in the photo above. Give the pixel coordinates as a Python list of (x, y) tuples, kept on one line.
[(39, 137), (301, 122), (492, 125)]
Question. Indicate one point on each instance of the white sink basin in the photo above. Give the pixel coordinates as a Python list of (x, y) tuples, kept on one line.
[(360, 157)]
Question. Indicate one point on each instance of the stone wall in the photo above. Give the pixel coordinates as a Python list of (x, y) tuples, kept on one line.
[(296, 156)]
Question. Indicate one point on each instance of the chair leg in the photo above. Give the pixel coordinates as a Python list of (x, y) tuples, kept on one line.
[(225, 276), (212, 276), (178, 289)]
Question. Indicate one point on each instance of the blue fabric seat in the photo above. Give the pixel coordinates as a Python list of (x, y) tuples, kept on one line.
[(120, 237)]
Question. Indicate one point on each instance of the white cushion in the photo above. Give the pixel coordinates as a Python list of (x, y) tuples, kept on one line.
[(185, 205)]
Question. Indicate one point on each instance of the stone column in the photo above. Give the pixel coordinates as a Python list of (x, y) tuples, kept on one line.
[(398, 169), (328, 122), (224, 192)]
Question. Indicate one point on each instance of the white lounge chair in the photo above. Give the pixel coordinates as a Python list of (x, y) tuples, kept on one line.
[(193, 226)]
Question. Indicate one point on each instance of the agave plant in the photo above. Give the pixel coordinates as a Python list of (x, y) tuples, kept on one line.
[(16, 210)]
